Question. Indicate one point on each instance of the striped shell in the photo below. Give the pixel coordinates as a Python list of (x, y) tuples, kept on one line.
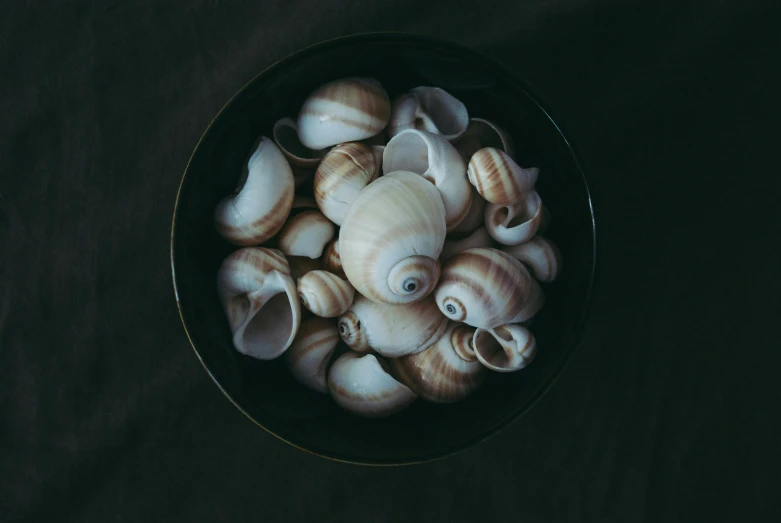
[(479, 238), (391, 330), (533, 304), (343, 173), (446, 372), (483, 288), (286, 137), (332, 261), (506, 348), (435, 159), (515, 223), (498, 178), (325, 294), (474, 218), (306, 234), (429, 109), (360, 385), (262, 200), (311, 351), (540, 255), (260, 301), (341, 111), (483, 133), (391, 238)]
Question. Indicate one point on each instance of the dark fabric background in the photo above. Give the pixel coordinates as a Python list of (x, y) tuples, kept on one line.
[(667, 413)]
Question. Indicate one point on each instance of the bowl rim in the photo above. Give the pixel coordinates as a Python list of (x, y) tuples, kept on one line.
[(530, 92)]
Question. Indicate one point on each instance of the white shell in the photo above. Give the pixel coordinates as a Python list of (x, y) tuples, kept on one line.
[(260, 301), (479, 238), (325, 294), (391, 330), (515, 223), (446, 372), (429, 109), (533, 304), (498, 178), (474, 218), (306, 234), (540, 255), (360, 385), (391, 238), (311, 351), (262, 201), (483, 288), (483, 133), (332, 261), (285, 134), (341, 111), (435, 159), (506, 348), (300, 265), (343, 173)]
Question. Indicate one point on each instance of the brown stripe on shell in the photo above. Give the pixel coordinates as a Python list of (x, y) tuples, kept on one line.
[(325, 294), (312, 334), (263, 228)]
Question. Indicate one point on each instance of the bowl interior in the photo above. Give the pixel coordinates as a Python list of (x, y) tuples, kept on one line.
[(265, 391)]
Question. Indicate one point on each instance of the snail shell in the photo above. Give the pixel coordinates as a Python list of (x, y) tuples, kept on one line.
[(344, 110), (429, 109), (391, 238), (325, 294), (391, 330), (475, 216), (285, 134), (435, 159), (483, 288), (311, 351), (533, 304), (498, 178), (343, 173), (515, 223), (360, 385), (483, 133), (506, 348), (300, 265), (262, 201), (331, 259), (446, 372), (539, 254), (260, 301), (306, 234), (479, 238)]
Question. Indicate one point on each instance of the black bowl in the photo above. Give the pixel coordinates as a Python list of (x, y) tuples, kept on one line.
[(265, 391)]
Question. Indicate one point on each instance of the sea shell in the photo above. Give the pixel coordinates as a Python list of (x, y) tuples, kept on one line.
[(391, 330), (533, 304), (260, 301), (483, 288), (311, 351), (285, 134), (262, 201), (332, 261), (343, 173), (539, 254), (360, 385), (474, 218), (479, 238), (344, 110), (483, 133), (391, 238), (505, 348), (498, 178), (446, 372), (306, 234), (325, 294), (435, 159), (515, 223), (429, 109), (300, 265)]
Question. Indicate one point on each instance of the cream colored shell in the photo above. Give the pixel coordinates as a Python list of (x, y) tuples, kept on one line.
[(539, 254), (332, 261), (498, 178), (306, 234), (475, 216), (515, 223), (325, 294), (479, 238), (429, 109), (506, 348), (343, 173), (311, 351)]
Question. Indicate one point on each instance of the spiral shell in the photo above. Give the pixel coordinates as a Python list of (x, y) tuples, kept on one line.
[(344, 110), (483, 288), (300, 265), (435, 159), (343, 173), (498, 178), (533, 304), (539, 254), (391, 238), (311, 351), (515, 223), (285, 134), (479, 238), (260, 301), (262, 201), (446, 372), (391, 330), (505, 348), (483, 133), (306, 234), (429, 109), (475, 216), (360, 385), (325, 294), (332, 261)]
